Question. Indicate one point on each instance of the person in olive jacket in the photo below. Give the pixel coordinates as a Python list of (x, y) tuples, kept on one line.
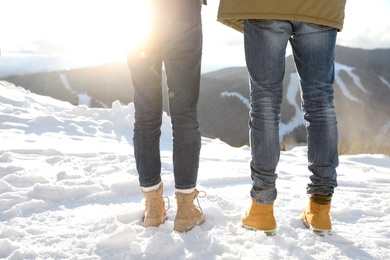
[(311, 27)]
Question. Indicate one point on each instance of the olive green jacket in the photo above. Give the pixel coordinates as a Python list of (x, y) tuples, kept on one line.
[(324, 12)]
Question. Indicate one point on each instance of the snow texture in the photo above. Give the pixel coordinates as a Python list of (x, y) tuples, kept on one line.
[(69, 190)]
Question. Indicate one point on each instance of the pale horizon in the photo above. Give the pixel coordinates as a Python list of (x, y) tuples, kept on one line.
[(92, 31)]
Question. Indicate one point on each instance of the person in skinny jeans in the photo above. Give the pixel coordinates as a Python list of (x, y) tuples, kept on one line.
[(175, 41)]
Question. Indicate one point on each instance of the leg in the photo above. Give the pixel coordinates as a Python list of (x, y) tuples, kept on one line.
[(145, 67), (265, 47), (182, 58), (314, 52)]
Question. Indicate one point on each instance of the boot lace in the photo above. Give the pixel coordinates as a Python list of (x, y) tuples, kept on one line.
[(200, 194), (166, 201)]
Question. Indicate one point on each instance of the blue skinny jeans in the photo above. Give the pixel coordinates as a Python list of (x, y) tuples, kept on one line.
[(176, 42), (313, 48)]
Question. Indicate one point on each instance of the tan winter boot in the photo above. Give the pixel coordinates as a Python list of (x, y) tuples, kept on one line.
[(316, 216), (260, 217), (155, 211), (188, 215)]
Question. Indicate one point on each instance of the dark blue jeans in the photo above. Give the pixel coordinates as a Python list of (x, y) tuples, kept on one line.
[(313, 51), (175, 41)]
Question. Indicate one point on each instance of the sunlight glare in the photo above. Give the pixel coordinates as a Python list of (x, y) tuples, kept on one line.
[(118, 28), (88, 29)]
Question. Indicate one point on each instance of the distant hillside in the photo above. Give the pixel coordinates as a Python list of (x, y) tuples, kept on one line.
[(362, 94), (104, 84)]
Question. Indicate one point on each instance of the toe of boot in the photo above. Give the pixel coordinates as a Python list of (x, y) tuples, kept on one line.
[(259, 217)]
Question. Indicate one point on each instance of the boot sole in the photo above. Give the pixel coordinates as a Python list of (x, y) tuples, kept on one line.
[(186, 228), (320, 232), (155, 222), (269, 233)]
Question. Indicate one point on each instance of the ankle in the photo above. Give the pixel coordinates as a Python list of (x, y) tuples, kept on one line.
[(321, 199), (151, 188), (185, 191)]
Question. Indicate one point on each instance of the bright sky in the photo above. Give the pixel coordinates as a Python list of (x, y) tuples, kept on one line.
[(101, 29), (86, 28)]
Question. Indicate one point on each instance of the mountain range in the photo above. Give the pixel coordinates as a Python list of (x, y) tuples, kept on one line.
[(362, 95)]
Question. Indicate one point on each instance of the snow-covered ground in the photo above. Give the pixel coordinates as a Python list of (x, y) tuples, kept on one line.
[(69, 190)]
